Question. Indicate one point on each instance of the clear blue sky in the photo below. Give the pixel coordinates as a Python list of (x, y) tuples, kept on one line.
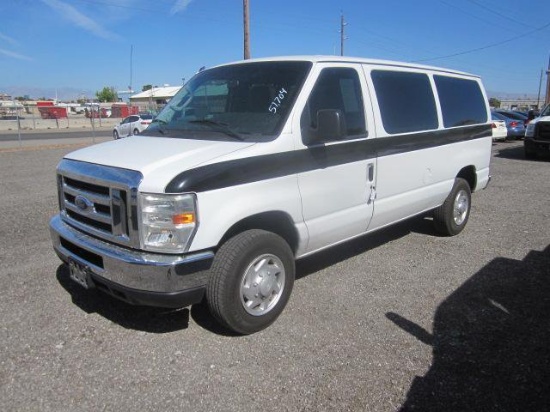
[(85, 45)]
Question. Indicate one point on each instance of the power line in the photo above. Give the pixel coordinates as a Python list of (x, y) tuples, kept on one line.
[(475, 16), (489, 9), (484, 47)]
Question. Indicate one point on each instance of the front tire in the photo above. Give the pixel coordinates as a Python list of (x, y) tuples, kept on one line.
[(115, 135), (451, 217), (251, 281)]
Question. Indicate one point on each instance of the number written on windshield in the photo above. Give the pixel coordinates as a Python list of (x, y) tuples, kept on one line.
[(277, 101)]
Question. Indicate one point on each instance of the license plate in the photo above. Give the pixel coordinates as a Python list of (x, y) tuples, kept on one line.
[(79, 273)]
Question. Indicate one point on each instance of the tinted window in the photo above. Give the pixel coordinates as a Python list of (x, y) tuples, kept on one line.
[(406, 101), (462, 102), (337, 89)]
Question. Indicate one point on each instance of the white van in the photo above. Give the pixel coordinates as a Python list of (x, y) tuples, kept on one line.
[(255, 164)]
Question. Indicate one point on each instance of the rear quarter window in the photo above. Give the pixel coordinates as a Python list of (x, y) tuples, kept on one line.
[(406, 101), (462, 102)]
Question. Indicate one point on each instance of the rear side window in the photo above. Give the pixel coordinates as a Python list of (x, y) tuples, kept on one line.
[(462, 101), (406, 101)]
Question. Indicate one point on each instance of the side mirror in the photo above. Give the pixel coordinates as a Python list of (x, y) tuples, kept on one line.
[(531, 114), (331, 125)]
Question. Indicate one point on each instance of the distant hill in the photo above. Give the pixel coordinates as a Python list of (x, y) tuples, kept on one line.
[(62, 93), (504, 95)]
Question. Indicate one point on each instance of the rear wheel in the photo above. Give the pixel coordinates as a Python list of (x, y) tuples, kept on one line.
[(251, 281), (136, 131), (451, 217)]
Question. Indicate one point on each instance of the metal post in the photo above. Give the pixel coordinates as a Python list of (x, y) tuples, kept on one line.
[(342, 36), (18, 128), (246, 22), (92, 122), (540, 85)]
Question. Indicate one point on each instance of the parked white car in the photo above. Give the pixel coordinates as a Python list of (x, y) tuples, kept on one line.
[(132, 125), (500, 131)]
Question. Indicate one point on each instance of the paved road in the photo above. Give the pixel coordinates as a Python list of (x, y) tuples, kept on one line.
[(12, 136), (401, 319)]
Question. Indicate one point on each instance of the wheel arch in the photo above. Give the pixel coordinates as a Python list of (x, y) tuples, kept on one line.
[(469, 174), (277, 222)]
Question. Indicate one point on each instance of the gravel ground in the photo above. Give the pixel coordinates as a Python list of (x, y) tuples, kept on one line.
[(398, 320)]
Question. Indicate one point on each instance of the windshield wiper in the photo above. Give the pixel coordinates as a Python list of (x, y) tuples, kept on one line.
[(219, 127)]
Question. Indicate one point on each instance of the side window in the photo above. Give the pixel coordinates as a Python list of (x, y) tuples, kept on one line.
[(336, 89), (406, 101), (462, 101)]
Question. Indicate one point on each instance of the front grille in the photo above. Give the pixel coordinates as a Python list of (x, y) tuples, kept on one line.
[(95, 207), (542, 131), (100, 200)]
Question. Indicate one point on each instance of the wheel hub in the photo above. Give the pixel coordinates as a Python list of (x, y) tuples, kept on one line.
[(460, 208), (262, 284)]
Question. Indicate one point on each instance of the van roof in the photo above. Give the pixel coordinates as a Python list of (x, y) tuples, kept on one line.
[(349, 59)]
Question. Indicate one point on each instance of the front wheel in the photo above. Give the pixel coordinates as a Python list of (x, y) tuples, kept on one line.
[(115, 135), (451, 217), (251, 281)]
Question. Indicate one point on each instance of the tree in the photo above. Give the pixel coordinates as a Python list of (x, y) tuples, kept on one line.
[(146, 87), (108, 94), (494, 102)]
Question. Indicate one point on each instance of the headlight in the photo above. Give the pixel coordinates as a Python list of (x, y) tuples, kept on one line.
[(168, 222), (530, 131)]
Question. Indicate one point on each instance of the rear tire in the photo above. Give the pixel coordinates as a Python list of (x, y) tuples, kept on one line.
[(451, 217), (136, 132), (251, 280)]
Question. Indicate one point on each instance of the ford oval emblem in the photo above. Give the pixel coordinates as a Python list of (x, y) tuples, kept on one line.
[(82, 203)]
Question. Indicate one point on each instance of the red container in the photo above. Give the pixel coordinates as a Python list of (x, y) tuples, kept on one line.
[(123, 110), (52, 112)]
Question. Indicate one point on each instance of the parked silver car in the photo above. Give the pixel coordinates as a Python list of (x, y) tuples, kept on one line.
[(132, 125)]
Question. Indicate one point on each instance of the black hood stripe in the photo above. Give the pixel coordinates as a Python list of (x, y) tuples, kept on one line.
[(254, 169)]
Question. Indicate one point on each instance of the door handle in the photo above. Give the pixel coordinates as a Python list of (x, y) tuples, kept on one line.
[(370, 172)]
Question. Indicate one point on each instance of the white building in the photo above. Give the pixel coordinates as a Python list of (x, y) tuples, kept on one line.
[(154, 98)]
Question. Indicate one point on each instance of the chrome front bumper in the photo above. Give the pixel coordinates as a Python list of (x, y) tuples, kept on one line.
[(131, 270)]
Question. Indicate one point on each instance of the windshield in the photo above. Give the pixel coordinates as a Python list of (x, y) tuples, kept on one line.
[(248, 102), (545, 111)]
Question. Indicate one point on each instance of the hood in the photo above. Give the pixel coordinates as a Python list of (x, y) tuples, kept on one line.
[(540, 119), (158, 159)]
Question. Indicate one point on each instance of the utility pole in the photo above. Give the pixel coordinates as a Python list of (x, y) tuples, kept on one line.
[(540, 86), (342, 35), (246, 18), (131, 68), (547, 99)]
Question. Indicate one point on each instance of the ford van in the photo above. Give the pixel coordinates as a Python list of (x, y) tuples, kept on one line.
[(255, 164)]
